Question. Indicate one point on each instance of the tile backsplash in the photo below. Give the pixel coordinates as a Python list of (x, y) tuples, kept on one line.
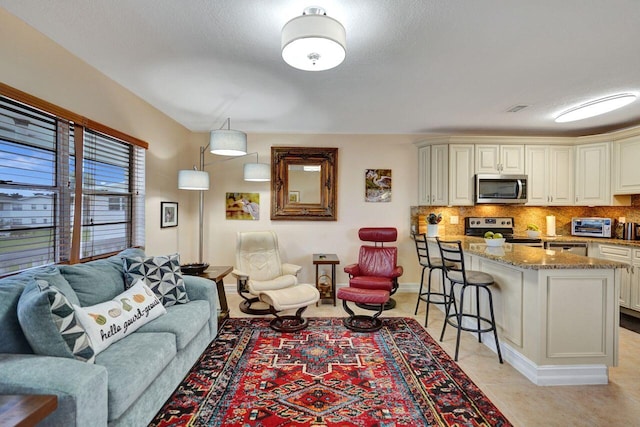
[(524, 215)]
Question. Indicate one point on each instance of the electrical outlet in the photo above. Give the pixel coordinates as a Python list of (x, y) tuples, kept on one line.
[(453, 219)]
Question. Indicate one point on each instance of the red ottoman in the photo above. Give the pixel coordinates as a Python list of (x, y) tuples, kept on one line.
[(363, 323)]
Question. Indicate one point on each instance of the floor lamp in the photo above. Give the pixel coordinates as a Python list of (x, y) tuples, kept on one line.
[(224, 142)]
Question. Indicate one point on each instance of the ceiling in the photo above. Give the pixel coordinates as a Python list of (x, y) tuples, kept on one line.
[(412, 66)]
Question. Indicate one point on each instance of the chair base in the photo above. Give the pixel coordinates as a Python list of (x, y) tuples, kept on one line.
[(361, 323), (391, 304), (288, 323), (245, 307)]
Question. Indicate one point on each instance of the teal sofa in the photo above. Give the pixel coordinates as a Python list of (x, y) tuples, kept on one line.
[(131, 379)]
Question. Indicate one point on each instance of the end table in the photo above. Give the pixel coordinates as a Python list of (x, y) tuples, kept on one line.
[(27, 409), (327, 259), (217, 274)]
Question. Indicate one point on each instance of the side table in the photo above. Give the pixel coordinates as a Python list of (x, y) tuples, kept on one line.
[(217, 274), (327, 259), (27, 409)]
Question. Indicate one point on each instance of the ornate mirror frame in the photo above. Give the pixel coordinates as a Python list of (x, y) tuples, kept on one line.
[(282, 208)]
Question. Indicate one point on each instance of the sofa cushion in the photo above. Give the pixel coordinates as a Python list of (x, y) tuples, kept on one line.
[(12, 339), (95, 281), (161, 273), (133, 363), (110, 321), (50, 324), (53, 276), (182, 320)]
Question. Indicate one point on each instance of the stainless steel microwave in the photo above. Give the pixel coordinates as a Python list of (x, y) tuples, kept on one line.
[(501, 189), (591, 227)]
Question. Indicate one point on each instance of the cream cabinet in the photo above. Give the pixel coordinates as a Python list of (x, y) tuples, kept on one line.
[(621, 254), (593, 174), (550, 175), (634, 297), (499, 159), (433, 175), (461, 174), (626, 167)]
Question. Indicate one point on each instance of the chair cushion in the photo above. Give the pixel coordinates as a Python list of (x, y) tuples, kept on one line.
[(161, 273), (257, 286), (363, 296), (294, 297), (372, 282), (473, 277), (50, 323), (377, 261)]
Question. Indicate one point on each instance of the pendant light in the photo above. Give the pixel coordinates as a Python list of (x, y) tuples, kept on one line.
[(313, 41)]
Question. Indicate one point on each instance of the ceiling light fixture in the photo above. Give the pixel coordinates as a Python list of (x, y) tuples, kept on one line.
[(313, 41), (228, 142), (596, 107)]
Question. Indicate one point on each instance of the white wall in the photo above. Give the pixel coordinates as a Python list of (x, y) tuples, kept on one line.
[(299, 239), (34, 64)]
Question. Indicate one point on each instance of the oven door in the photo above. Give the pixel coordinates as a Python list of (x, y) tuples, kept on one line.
[(501, 189)]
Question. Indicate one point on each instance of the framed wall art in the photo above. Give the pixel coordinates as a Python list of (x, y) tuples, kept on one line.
[(377, 184), (168, 214), (243, 206)]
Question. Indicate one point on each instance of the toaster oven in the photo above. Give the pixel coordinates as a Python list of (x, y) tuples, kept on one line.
[(591, 227)]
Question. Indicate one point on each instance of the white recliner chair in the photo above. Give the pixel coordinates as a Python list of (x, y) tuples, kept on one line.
[(259, 268)]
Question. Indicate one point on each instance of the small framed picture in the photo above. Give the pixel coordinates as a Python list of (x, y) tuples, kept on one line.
[(294, 197), (168, 214)]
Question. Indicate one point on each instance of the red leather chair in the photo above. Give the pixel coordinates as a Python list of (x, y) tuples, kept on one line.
[(377, 264)]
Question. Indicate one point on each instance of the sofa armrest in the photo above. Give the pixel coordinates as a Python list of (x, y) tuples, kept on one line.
[(199, 288), (81, 387)]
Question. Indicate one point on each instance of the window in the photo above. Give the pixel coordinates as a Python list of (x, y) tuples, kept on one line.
[(38, 188)]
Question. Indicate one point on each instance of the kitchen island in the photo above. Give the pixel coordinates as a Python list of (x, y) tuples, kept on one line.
[(557, 313)]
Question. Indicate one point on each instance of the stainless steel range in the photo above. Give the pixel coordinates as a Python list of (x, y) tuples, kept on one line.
[(477, 226)]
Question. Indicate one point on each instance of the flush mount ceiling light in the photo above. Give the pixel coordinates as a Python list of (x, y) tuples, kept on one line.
[(228, 142), (313, 41), (596, 107)]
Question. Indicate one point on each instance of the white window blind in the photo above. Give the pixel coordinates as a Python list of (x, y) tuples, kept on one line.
[(38, 188)]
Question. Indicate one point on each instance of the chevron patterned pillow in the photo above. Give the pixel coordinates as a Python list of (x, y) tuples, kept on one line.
[(161, 273)]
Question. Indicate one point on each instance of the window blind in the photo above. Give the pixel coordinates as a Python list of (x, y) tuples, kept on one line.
[(40, 196)]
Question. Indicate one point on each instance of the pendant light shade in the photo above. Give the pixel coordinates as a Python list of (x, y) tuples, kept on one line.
[(596, 107), (193, 180), (228, 142), (313, 41), (257, 172)]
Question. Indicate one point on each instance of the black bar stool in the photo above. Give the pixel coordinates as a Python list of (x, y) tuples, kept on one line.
[(432, 263), (451, 252)]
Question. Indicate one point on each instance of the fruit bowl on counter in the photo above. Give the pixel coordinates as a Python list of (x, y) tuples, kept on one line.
[(495, 242), (533, 234)]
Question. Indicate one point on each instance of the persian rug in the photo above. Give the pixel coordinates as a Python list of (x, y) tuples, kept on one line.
[(327, 375)]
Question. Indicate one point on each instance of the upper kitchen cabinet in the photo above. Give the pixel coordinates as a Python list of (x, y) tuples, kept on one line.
[(461, 174), (500, 159), (593, 174), (593, 183), (626, 169), (433, 175), (550, 175)]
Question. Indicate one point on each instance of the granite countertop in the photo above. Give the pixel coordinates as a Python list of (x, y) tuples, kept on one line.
[(534, 258), (633, 243)]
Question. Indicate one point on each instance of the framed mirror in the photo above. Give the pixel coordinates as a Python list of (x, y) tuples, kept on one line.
[(304, 183)]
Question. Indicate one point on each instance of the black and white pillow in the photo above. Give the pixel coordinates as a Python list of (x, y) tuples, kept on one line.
[(50, 324), (161, 273)]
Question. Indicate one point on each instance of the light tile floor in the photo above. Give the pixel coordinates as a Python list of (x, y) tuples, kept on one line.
[(522, 402)]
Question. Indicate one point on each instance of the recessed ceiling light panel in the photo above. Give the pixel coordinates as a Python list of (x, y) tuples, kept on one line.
[(596, 107)]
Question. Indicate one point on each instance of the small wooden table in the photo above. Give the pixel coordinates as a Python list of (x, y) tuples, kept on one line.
[(327, 259), (217, 274), (26, 409)]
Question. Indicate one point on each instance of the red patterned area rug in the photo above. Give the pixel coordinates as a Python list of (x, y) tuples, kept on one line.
[(326, 375)]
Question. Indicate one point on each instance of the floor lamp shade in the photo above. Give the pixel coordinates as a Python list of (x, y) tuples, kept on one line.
[(228, 142), (257, 172), (193, 180)]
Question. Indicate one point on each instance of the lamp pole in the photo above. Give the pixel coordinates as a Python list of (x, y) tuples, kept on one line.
[(201, 211)]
